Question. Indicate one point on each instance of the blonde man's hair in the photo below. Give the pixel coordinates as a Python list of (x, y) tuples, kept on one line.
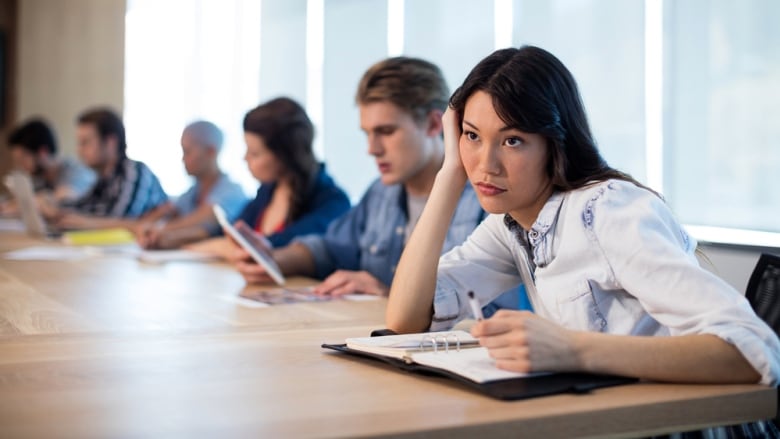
[(412, 84)]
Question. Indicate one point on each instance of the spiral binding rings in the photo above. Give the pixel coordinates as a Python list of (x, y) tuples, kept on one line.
[(440, 340)]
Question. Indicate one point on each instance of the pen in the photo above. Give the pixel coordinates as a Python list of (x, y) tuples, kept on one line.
[(475, 308)]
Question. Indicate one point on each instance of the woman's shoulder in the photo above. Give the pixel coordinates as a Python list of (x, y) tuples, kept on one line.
[(615, 193), (323, 180), (621, 205), (325, 189)]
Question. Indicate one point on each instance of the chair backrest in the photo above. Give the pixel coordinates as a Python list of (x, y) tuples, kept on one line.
[(763, 290)]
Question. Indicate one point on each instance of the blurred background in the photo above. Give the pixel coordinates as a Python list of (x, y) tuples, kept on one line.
[(683, 95)]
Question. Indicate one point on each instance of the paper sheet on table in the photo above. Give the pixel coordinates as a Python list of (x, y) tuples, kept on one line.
[(11, 225), (51, 253), (163, 256)]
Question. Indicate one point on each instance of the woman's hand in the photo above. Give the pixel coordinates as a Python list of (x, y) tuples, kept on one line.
[(452, 132), (350, 282), (521, 341), (252, 272)]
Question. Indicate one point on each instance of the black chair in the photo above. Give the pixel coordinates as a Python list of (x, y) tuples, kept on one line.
[(763, 290), (763, 293)]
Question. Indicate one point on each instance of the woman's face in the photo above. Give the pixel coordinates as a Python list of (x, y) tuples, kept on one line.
[(262, 163), (506, 166)]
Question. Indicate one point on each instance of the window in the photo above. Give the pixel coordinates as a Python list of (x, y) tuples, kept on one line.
[(678, 92), (206, 66), (722, 95)]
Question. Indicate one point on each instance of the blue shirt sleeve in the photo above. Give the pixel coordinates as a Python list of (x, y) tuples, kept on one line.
[(339, 247)]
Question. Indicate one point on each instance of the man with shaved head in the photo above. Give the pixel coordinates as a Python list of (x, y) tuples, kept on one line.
[(190, 218)]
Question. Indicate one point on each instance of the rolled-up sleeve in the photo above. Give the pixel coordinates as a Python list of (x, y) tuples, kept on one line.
[(483, 264), (317, 246), (652, 258)]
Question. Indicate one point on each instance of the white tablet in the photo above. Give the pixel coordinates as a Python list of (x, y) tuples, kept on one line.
[(258, 249)]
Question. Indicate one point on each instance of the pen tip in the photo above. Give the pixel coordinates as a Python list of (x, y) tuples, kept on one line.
[(471, 294)]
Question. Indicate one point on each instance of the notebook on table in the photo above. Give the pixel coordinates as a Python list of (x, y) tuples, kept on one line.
[(458, 356)]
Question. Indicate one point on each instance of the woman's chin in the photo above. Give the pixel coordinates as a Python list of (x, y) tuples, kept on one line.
[(492, 207)]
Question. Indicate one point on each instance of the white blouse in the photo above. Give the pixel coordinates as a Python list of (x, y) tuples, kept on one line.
[(610, 258)]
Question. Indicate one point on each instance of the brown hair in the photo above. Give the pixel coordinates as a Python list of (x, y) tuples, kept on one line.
[(288, 132), (412, 84)]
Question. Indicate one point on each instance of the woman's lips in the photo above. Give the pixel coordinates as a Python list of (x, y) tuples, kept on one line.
[(488, 189)]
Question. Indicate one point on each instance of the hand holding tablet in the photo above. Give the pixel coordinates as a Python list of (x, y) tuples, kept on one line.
[(255, 245)]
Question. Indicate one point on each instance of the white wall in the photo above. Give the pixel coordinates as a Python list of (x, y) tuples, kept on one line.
[(71, 56)]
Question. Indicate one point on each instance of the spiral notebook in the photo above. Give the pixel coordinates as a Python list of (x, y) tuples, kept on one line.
[(458, 356)]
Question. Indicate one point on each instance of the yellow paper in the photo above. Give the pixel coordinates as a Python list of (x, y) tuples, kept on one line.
[(99, 237)]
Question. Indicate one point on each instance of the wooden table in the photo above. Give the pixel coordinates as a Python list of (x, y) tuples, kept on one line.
[(112, 348), (118, 293)]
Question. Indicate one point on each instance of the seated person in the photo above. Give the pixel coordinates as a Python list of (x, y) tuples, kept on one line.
[(191, 218), (55, 179), (296, 194), (401, 101), (125, 189), (612, 275)]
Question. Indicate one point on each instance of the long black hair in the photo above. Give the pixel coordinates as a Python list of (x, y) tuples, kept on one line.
[(534, 92), (288, 132)]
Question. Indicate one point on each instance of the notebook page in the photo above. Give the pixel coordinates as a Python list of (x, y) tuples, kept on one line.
[(474, 364)]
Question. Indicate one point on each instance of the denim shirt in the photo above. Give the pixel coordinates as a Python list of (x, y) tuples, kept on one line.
[(370, 236), (610, 258)]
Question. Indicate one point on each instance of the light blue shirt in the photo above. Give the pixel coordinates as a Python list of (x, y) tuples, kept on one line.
[(225, 192), (76, 176), (370, 236), (607, 258)]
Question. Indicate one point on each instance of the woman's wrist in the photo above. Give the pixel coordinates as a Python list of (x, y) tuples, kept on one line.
[(452, 174), (580, 350)]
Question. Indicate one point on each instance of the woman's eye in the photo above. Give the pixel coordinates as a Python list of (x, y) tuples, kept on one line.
[(513, 141), (470, 135)]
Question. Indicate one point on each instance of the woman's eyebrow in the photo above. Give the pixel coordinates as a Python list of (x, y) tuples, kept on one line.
[(470, 124), (502, 129)]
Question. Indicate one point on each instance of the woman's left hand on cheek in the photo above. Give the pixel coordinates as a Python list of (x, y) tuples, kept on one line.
[(524, 342)]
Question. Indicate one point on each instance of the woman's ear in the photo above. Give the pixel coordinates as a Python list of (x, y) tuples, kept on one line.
[(433, 122)]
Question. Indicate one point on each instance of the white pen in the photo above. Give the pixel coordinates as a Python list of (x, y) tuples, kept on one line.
[(475, 308)]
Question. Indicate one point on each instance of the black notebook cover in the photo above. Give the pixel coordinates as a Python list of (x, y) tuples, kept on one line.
[(509, 389)]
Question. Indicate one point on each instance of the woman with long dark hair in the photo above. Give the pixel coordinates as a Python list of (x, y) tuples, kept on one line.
[(612, 276), (296, 195)]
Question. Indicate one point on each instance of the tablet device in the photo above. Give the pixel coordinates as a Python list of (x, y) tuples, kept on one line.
[(258, 249)]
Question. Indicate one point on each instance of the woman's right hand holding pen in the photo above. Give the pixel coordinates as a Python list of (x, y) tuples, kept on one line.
[(521, 341)]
